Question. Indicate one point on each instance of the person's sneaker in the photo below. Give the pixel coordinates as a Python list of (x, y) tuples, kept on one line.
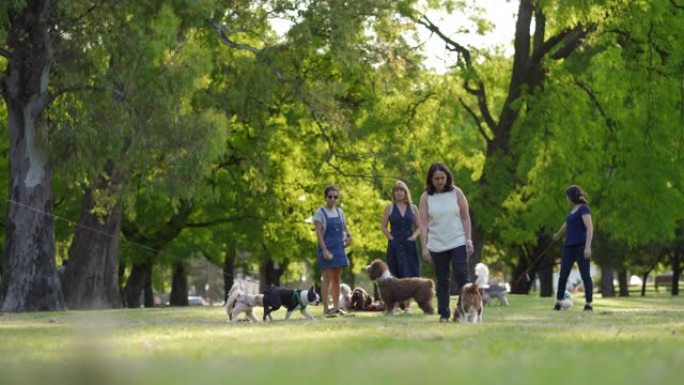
[(557, 306), (442, 320), (340, 312), (330, 313), (588, 307)]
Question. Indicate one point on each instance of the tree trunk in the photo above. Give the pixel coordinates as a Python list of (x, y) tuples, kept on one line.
[(521, 284), (148, 293), (179, 286), (545, 266), (269, 274), (676, 272), (91, 279), (228, 273), (30, 281), (644, 277), (623, 279), (607, 278), (122, 273), (138, 280), (546, 276)]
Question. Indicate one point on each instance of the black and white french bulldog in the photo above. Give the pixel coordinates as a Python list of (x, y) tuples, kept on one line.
[(292, 300)]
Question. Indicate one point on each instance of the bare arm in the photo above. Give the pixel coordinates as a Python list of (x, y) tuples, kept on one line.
[(465, 219), (319, 235), (423, 223), (586, 218), (385, 220), (416, 223), (559, 233)]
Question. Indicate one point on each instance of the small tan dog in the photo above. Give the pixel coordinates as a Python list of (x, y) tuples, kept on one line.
[(470, 306), (397, 290)]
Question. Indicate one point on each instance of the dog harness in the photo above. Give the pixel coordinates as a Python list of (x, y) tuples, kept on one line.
[(297, 298)]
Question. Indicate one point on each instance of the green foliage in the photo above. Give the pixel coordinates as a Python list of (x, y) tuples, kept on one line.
[(246, 136)]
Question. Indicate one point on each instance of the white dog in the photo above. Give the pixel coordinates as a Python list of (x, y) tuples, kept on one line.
[(239, 302), (489, 292), (345, 297)]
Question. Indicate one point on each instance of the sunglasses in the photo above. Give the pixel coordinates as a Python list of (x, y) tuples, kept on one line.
[(332, 197)]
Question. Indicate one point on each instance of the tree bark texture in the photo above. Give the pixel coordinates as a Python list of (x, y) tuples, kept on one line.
[(607, 278), (179, 286), (228, 273), (30, 281), (676, 272), (140, 278), (623, 280), (91, 278)]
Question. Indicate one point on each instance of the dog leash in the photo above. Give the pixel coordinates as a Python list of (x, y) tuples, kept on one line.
[(526, 273)]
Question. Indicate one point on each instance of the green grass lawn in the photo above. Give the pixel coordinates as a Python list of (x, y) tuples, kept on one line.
[(624, 341)]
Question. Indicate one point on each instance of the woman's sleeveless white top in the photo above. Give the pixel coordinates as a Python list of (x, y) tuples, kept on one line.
[(445, 228)]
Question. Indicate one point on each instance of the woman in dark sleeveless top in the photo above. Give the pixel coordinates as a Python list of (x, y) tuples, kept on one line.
[(579, 232), (402, 216)]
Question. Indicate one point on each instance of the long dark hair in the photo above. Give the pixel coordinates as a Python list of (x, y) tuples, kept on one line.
[(577, 195), (429, 187)]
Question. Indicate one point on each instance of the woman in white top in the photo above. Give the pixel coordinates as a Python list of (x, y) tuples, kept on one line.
[(445, 233)]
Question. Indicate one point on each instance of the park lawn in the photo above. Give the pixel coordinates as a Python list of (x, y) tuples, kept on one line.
[(624, 341)]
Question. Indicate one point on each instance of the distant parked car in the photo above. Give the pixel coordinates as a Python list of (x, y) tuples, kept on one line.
[(194, 300)]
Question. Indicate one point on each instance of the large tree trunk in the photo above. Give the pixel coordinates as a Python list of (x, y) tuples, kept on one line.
[(148, 293), (228, 273), (623, 280), (91, 279), (269, 274), (30, 281), (122, 273), (545, 266), (521, 284), (607, 278), (179, 286), (546, 276), (644, 277), (138, 280)]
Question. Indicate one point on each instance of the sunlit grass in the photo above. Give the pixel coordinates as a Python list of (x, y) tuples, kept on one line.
[(630, 340)]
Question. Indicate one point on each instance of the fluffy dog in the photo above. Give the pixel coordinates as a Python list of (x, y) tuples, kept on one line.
[(489, 292), (397, 290), (345, 297), (239, 302), (469, 308), (360, 300), (292, 300)]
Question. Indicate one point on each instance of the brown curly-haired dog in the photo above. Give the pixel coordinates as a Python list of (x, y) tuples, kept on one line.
[(397, 290)]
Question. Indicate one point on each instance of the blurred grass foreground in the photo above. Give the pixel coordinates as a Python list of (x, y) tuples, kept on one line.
[(624, 341)]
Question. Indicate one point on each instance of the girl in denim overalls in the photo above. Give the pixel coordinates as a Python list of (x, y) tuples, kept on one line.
[(333, 235)]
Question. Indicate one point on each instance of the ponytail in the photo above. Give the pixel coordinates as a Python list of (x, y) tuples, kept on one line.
[(577, 195)]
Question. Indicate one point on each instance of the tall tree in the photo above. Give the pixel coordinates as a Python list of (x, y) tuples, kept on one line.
[(147, 127), (534, 47), (30, 279)]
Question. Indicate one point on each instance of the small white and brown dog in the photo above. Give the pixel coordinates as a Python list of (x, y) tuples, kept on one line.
[(345, 297), (470, 307), (239, 302)]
